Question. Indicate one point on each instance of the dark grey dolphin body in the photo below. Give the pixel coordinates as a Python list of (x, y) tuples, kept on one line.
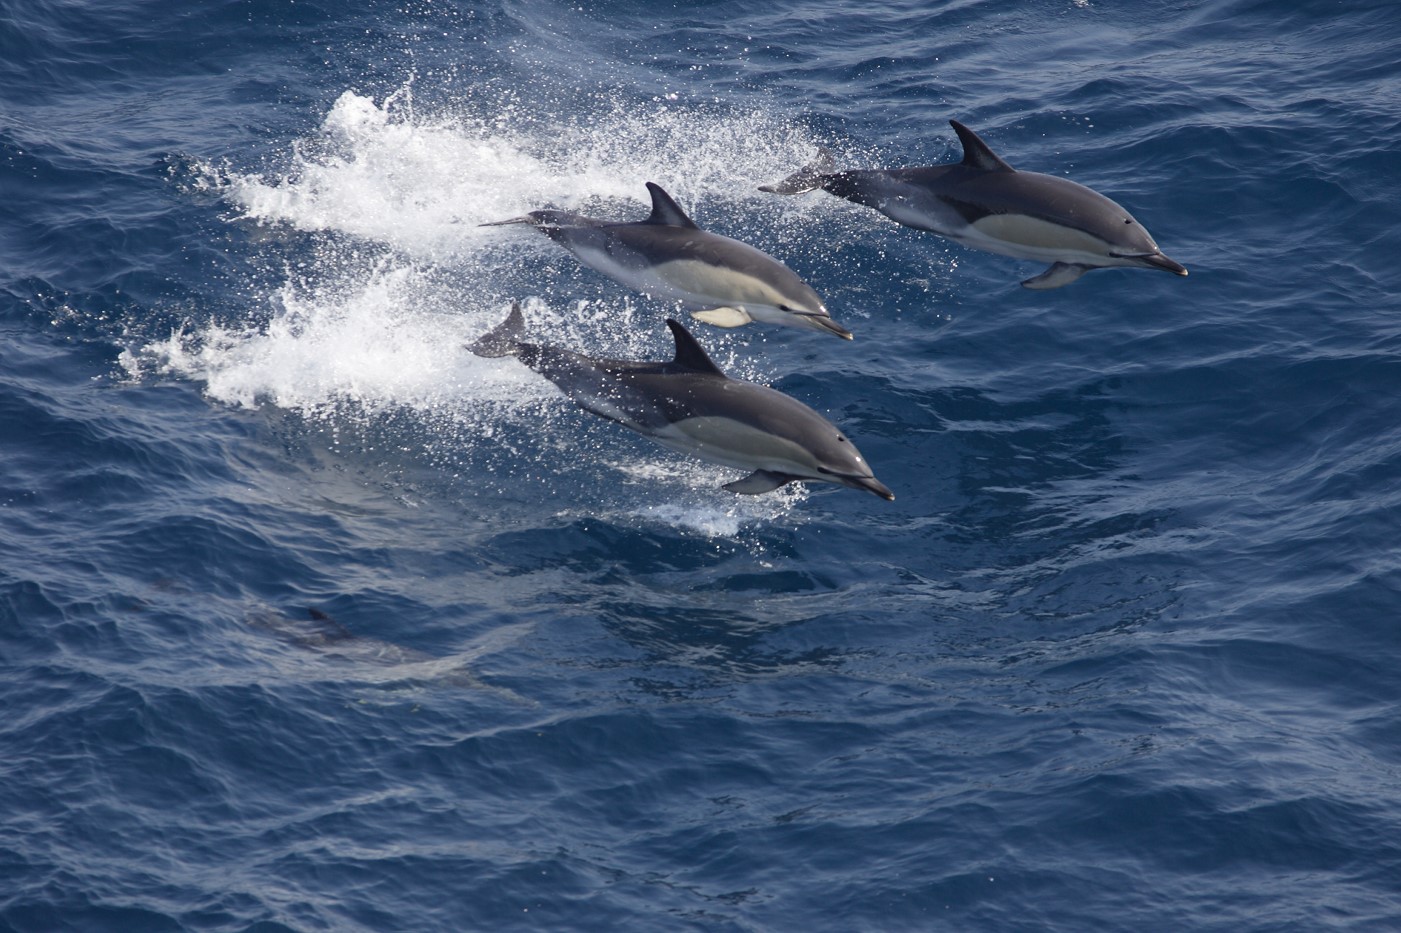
[(723, 281), (985, 203), (690, 406)]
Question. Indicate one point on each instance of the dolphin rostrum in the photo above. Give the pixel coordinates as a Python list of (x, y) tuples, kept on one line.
[(985, 203), (722, 281), (690, 406)]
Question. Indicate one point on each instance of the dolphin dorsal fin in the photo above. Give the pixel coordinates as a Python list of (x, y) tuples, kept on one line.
[(504, 338), (666, 211), (976, 153), (689, 353)]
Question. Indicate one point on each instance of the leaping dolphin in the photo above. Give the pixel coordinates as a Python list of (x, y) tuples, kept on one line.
[(985, 203), (721, 281), (690, 406)]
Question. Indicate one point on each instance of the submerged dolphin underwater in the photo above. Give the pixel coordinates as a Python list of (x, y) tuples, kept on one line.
[(984, 203), (691, 406), (721, 281)]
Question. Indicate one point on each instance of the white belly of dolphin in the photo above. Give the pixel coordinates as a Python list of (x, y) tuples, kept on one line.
[(736, 444)]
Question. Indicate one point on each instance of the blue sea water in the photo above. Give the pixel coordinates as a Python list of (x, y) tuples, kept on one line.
[(311, 620)]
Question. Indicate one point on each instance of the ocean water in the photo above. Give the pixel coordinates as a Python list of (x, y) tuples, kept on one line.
[(311, 620)]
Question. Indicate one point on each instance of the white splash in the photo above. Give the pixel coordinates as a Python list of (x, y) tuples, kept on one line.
[(367, 342), (694, 506), (384, 174), (422, 183), (372, 225)]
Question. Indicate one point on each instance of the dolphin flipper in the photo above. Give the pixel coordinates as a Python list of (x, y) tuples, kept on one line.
[(1060, 273), (723, 317), (759, 482)]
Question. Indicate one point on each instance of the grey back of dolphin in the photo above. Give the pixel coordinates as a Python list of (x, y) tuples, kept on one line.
[(985, 203), (688, 404), (723, 281)]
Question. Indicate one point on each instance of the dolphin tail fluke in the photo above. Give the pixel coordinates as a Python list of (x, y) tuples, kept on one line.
[(1060, 273), (807, 178), (504, 339), (759, 482), (723, 317)]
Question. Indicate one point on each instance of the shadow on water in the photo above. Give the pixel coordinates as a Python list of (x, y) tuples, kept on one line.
[(374, 660)]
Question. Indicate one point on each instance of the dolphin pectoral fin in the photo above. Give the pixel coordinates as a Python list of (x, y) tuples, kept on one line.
[(807, 178), (759, 482), (723, 317), (1060, 273)]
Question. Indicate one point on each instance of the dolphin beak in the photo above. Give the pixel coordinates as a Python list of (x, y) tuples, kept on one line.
[(822, 322), (513, 220), (870, 484), (1159, 261)]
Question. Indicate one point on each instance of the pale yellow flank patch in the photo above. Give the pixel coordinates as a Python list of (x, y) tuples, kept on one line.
[(1038, 234)]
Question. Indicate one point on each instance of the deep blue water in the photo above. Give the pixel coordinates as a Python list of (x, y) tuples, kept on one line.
[(311, 620)]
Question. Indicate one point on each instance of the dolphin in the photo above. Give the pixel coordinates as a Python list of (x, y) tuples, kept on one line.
[(985, 203), (375, 660), (722, 281), (690, 406)]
